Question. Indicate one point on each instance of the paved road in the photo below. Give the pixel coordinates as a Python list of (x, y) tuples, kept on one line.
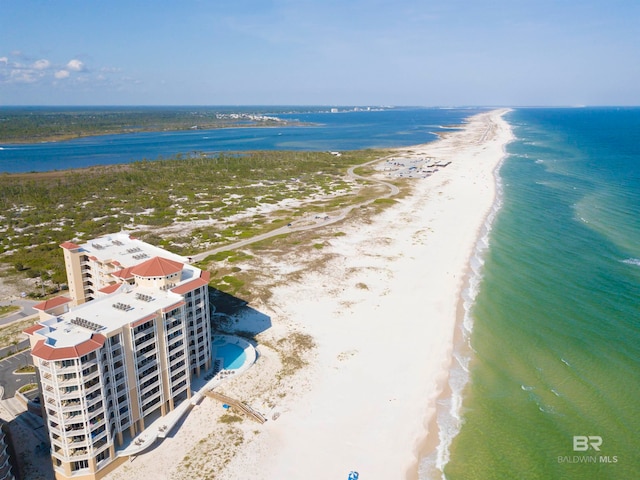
[(309, 222), (10, 382), (26, 310)]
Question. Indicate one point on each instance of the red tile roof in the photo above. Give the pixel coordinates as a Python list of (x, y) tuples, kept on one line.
[(69, 245), (48, 352), (125, 273), (110, 288), (143, 320), (173, 307), (157, 267), (32, 329), (193, 284), (51, 303)]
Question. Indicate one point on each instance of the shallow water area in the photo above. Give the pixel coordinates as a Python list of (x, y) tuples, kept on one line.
[(555, 342)]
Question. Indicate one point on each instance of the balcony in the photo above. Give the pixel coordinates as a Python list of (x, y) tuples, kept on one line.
[(67, 379), (76, 428), (78, 441), (118, 371), (146, 343), (61, 366), (98, 435), (78, 452), (147, 371), (69, 393), (149, 388), (176, 361), (55, 428), (91, 375), (150, 403), (150, 360), (96, 422), (174, 329), (92, 388), (94, 398), (90, 363), (77, 415), (144, 331)]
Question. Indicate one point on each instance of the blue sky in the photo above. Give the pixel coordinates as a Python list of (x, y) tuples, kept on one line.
[(320, 52)]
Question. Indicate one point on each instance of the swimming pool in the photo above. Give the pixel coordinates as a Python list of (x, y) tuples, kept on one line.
[(233, 356)]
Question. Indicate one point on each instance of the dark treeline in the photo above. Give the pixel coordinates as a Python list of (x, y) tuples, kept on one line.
[(35, 124)]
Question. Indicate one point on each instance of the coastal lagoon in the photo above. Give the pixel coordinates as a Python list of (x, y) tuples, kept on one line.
[(324, 130)]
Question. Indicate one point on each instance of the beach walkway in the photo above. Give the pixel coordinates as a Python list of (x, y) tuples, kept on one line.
[(238, 405)]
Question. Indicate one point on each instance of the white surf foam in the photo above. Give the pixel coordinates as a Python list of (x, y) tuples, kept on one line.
[(449, 410)]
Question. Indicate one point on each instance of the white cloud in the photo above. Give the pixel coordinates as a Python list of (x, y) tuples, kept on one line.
[(75, 65), (19, 75), (42, 64), (17, 68)]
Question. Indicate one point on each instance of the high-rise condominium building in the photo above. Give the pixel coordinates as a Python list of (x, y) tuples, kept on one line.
[(120, 352)]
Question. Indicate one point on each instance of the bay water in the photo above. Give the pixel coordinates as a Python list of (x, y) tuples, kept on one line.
[(346, 128)]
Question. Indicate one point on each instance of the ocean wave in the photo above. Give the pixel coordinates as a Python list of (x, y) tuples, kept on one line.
[(449, 410), (632, 261)]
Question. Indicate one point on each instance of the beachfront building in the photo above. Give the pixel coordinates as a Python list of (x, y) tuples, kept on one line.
[(120, 351), (5, 458)]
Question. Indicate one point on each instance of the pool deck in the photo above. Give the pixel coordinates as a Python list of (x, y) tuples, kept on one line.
[(209, 380)]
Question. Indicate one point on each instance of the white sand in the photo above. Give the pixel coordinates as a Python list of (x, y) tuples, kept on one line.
[(382, 311)]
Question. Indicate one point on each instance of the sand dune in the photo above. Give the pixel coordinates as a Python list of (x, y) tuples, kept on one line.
[(382, 312)]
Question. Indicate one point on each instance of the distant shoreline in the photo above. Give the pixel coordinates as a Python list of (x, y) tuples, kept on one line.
[(75, 136), (118, 137)]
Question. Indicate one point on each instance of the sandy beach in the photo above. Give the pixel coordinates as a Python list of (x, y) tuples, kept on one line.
[(381, 309)]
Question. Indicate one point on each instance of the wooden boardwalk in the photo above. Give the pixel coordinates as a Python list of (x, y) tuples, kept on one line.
[(238, 405)]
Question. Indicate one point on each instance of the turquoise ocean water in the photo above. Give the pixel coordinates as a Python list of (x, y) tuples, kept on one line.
[(551, 345)]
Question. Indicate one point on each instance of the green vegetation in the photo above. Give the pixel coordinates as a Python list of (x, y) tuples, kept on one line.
[(6, 310), (183, 204), (34, 125), (210, 454), (294, 352), (230, 418), (26, 369), (9, 334), (28, 387)]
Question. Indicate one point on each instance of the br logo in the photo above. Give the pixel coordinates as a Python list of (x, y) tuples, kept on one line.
[(582, 443)]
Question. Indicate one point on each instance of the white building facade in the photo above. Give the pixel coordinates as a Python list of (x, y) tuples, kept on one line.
[(122, 354)]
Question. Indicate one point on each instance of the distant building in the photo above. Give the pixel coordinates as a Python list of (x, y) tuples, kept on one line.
[(120, 351)]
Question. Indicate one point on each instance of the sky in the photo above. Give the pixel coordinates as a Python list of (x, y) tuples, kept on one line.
[(320, 52)]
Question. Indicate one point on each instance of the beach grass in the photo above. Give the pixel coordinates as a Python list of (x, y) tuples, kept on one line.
[(10, 334), (183, 204), (6, 310)]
